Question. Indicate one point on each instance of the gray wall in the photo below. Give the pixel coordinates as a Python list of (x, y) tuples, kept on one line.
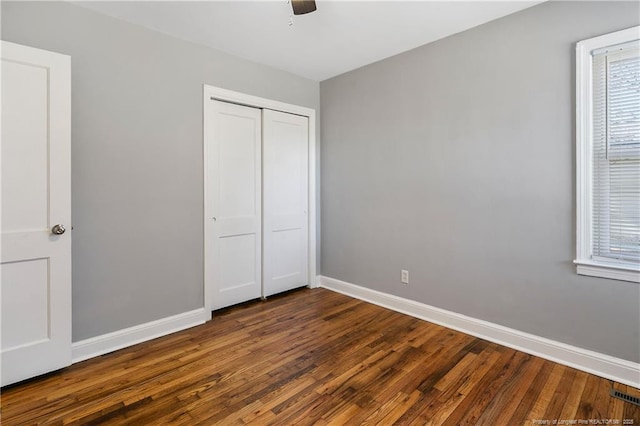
[(137, 182), (456, 161)]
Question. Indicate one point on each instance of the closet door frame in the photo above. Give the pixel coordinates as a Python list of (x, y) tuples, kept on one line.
[(211, 93)]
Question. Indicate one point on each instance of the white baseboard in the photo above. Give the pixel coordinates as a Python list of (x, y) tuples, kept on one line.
[(100, 345), (602, 365)]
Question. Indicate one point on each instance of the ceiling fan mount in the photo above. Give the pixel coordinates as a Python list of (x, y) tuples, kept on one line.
[(301, 7)]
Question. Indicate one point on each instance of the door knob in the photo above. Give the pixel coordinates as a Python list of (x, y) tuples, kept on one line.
[(58, 229)]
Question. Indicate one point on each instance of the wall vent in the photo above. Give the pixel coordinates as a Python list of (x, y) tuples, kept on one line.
[(624, 396)]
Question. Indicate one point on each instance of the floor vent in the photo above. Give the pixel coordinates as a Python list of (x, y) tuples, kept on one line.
[(625, 397)]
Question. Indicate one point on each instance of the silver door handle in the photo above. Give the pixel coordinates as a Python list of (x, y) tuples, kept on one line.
[(58, 229)]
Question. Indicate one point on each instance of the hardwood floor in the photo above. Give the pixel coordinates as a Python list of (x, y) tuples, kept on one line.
[(315, 357)]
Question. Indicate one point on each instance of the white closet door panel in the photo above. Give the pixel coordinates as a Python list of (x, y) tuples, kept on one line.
[(234, 185), (238, 130), (35, 269), (285, 208), (238, 259)]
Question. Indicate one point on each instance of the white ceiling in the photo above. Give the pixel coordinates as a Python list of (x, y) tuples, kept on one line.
[(338, 37)]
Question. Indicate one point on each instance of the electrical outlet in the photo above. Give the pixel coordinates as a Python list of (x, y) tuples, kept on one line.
[(404, 277)]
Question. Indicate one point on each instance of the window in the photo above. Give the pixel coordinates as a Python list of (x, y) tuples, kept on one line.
[(608, 155)]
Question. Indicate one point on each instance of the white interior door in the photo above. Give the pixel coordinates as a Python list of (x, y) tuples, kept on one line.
[(234, 191), (35, 262), (285, 208)]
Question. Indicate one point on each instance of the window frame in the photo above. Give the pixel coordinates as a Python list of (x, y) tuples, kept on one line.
[(585, 263)]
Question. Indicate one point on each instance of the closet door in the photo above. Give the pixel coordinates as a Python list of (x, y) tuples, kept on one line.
[(234, 191), (285, 207)]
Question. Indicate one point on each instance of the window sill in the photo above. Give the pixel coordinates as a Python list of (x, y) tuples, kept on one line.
[(612, 271)]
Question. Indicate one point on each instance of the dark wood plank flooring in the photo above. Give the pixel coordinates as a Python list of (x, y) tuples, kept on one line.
[(316, 357)]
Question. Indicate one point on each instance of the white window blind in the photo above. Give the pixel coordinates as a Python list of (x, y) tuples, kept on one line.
[(616, 154)]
